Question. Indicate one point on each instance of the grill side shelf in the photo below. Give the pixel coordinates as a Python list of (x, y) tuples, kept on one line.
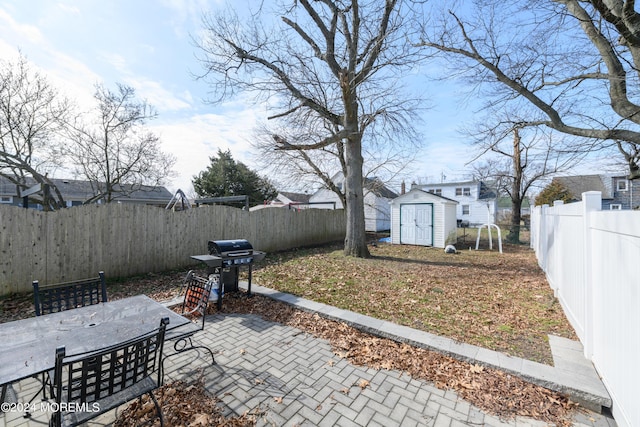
[(210, 260)]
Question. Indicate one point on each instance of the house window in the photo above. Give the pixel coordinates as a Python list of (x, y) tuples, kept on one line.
[(622, 185), (466, 191), (6, 199), (615, 207), (459, 191), (465, 209), (438, 191)]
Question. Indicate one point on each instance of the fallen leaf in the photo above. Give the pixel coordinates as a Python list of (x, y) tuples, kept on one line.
[(476, 369), (201, 420)]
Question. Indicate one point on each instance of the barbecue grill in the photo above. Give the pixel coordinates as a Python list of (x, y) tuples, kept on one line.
[(225, 258)]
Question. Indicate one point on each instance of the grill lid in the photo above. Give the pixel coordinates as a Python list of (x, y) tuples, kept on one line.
[(227, 248)]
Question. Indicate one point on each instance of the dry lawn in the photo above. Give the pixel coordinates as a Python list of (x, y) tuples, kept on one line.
[(498, 301)]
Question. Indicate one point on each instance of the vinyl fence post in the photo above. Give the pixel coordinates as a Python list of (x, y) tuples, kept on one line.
[(591, 202), (542, 232)]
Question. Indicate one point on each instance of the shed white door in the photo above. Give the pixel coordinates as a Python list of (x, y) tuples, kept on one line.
[(416, 224)]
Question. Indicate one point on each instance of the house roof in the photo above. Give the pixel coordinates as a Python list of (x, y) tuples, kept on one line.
[(578, 184), (485, 192), (296, 197), (73, 189), (430, 194), (448, 183), (377, 187), (374, 185)]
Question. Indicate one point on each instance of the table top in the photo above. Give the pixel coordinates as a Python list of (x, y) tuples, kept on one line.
[(28, 346)]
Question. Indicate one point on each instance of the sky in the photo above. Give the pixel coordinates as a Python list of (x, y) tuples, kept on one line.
[(147, 44)]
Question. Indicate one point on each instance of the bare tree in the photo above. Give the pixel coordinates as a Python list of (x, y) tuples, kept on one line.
[(330, 66), (115, 152), (31, 115), (515, 165), (304, 169), (575, 62)]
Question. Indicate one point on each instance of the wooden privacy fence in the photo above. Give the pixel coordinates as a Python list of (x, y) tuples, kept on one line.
[(591, 258), (127, 239)]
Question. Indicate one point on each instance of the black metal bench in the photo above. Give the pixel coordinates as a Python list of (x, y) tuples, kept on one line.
[(194, 306), (90, 384), (68, 295)]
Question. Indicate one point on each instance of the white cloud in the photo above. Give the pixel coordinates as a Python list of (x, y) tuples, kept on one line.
[(158, 96), (195, 139), (186, 13), (17, 32)]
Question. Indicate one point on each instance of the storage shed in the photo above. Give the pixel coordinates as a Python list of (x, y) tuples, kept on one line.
[(422, 218)]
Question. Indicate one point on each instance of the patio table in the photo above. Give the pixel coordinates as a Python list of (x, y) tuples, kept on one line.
[(27, 346)]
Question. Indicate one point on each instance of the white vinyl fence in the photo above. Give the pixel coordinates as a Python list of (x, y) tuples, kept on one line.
[(592, 261)]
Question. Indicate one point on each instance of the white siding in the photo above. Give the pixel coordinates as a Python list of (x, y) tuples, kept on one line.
[(325, 196), (450, 226), (438, 225), (377, 212), (479, 210)]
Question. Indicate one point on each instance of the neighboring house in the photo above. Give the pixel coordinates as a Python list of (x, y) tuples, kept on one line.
[(76, 192), (477, 202), (618, 192), (423, 218), (286, 200), (377, 212), (291, 200), (505, 205)]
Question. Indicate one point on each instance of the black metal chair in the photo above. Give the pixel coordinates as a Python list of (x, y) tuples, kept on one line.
[(89, 384), (194, 306), (65, 296)]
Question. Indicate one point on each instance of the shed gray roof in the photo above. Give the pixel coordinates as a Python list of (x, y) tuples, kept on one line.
[(578, 184)]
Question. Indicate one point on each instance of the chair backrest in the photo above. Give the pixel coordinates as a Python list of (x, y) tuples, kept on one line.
[(65, 296), (196, 297), (90, 384)]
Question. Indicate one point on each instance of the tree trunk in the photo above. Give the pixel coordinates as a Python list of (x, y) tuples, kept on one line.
[(516, 196), (355, 241), (514, 228)]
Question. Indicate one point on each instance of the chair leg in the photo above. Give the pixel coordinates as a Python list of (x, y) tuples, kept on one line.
[(180, 346), (158, 409), (42, 389), (190, 346)]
